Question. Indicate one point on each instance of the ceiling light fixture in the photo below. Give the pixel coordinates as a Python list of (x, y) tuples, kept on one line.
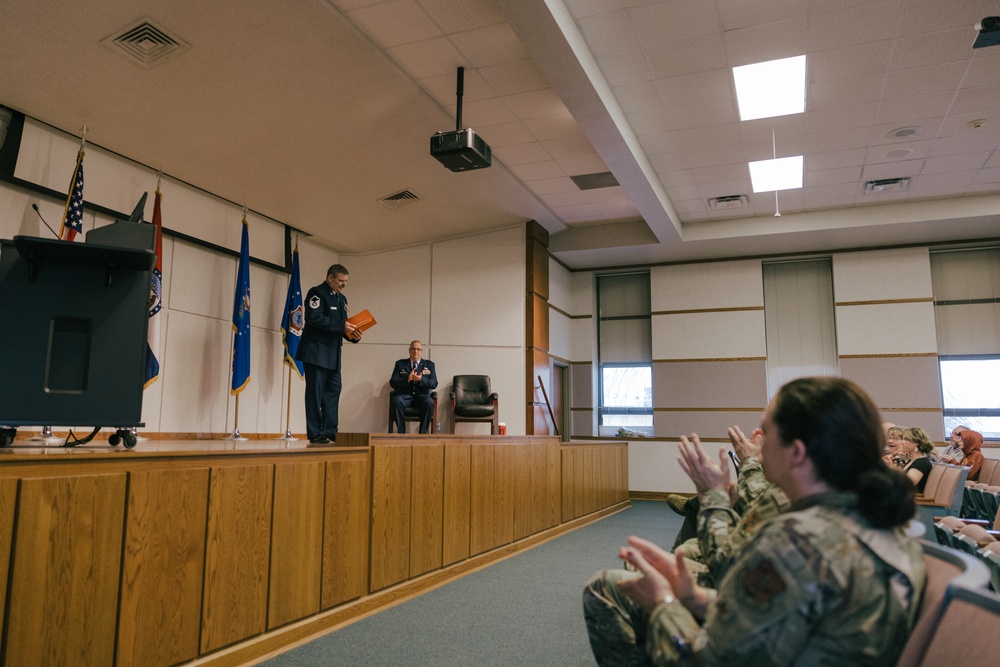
[(773, 88), (782, 174)]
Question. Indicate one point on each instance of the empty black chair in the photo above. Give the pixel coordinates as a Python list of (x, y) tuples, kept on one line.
[(473, 401)]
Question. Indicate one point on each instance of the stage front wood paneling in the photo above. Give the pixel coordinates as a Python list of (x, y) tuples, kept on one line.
[(129, 558)]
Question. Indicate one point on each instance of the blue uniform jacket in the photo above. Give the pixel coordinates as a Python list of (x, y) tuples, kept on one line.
[(323, 333), (400, 373)]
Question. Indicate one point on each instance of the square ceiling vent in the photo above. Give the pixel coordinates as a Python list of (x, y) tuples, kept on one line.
[(145, 43), (886, 185), (728, 201), (401, 198)]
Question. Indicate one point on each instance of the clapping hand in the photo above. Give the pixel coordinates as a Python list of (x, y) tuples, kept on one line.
[(746, 447), (703, 471)]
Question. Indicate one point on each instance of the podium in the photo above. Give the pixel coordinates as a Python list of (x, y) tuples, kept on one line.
[(73, 319)]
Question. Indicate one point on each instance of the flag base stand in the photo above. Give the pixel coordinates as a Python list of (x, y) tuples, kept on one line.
[(288, 436), (46, 435), (235, 435)]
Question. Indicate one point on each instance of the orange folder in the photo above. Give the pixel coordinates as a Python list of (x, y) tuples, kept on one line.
[(363, 320)]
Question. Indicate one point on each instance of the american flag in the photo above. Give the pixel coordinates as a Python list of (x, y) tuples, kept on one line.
[(72, 223)]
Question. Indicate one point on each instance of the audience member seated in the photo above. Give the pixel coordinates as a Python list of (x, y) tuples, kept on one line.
[(834, 580), (972, 442), (893, 440), (953, 452), (915, 445), (412, 380), (724, 524)]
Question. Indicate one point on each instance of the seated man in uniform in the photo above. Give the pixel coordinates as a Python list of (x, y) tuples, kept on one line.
[(412, 380)]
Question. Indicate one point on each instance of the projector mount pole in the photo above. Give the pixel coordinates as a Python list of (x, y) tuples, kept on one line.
[(458, 93)]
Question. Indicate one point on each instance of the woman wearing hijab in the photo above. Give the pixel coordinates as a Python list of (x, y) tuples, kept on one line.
[(972, 442)]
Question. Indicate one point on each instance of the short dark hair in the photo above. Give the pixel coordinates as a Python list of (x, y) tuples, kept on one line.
[(842, 432), (337, 270)]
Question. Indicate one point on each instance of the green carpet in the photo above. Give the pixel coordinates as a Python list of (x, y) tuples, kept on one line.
[(525, 610)]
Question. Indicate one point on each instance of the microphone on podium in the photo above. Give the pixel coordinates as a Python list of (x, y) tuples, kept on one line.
[(38, 213)]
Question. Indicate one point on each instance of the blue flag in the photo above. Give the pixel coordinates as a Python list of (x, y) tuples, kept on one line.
[(241, 317), (72, 223), (155, 299), (293, 318)]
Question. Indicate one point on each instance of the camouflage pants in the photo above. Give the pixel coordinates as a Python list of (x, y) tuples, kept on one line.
[(616, 626)]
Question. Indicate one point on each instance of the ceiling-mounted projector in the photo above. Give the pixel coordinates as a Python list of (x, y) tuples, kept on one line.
[(462, 149)]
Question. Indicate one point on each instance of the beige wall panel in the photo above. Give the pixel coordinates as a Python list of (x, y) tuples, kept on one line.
[(706, 423), (196, 385), (581, 379), (164, 565), (931, 422), (364, 401), (457, 503), (709, 335), (18, 218), (583, 423), (710, 384), (560, 338), (956, 334), (194, 268), (390, 550), (479, 290), (314, 260), (236, 555), (889, 328), (583, 343), (560, 287), (262, 402), (903, 273), (345, 529), (708, 285), (296, 542), (484, 512), (897, 382), (66, 571), (505, 366), (652, 466), (584, 294), (8, 503), (504, 525), (402, 314), (426, 508), (268, 289)]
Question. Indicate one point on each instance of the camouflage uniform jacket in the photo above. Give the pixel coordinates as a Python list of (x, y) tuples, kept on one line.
[(722, 532), (815, 586)]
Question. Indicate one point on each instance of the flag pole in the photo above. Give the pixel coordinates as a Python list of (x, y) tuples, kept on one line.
[(236, 422), (288, 411)]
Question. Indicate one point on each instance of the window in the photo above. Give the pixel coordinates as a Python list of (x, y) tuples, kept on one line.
[(799, 321), (966, 286), (625, 353)]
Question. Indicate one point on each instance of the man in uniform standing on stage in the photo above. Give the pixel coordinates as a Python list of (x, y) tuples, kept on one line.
[(320, 348)]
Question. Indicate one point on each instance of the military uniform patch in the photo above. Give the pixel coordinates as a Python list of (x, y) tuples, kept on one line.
[(763, 583), (314, 302)]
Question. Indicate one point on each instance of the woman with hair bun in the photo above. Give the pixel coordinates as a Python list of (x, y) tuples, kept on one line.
[(834, 580), (915, 446)]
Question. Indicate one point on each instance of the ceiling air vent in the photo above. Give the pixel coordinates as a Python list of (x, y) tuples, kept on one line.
[(604, 179), (886, 185), (145, 43), (729, 201), (392, 202)]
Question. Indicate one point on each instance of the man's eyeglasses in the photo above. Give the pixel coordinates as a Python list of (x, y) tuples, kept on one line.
[(416, 349)]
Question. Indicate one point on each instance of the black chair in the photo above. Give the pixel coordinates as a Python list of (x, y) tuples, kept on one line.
[(472, 401), (411, 414)]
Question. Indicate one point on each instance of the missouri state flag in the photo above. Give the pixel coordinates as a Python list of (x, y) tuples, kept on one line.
[(293, 317), (155, 297), (241, 317), (72, 222)]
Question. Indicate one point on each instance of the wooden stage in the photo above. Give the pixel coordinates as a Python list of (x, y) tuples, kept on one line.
[(223, 552)]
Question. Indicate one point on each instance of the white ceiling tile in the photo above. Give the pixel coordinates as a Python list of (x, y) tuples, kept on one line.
[(683, 192), (910, 108), (705, 137), (559, 199), (650, 121), (578, 212), (513, 135), (687, 206), (735, 14), (686, 56), (971, 100), (664, 162), (536, 171), (700, 114), (940, 183), (828, 196), (675, 179), (658, 144), (984, 70), (598, 195), (517, 153), (725, 188), (625, 67), (821, 142), (925, 128), (491, 45), (607, 32), (520, 76), (966, 143), (716, 84), (459, 15), (783, 128), (733, 171), (962, 124), (618, 210), (535, 104), (988, 175), (931, 48), (994, 161), (485, 112), (761, 43), (582, 8), (583, 164), (638, 96), (552, 127), (662, 22), (877, 172), (964, 162), (835, 159), (838, 93), (396, 22), (859, 24), (429, 58), (781, 147), (712, 157), (923, 80), (553, 185), (849, 62), (832, 176), (568, 147), (881, 153)]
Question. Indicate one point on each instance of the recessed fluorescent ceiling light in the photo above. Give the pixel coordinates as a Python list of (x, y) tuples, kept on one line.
[(774, 88), (785, 173)]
